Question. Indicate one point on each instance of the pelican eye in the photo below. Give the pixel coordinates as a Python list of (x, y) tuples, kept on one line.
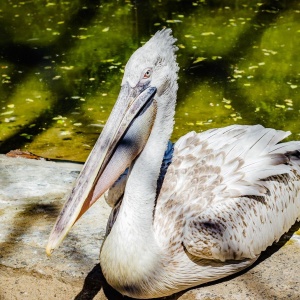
[(147, 73)]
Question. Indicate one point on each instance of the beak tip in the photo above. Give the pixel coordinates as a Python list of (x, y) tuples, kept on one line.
[(49, 250), (49, 253)]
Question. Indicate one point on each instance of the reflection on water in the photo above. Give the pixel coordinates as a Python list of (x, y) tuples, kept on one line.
[(61, 65)]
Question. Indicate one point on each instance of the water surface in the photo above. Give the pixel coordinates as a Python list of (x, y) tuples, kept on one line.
[(61, 65)]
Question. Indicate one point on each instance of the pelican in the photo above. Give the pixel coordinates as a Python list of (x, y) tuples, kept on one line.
[(225, 196)]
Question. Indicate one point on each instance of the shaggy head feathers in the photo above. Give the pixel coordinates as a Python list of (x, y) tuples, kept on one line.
[(158, 54)]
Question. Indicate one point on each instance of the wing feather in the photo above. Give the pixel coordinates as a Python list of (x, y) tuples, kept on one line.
[(234, 190)]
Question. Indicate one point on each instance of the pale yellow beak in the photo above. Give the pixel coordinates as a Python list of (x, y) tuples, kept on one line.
[(122, 139)]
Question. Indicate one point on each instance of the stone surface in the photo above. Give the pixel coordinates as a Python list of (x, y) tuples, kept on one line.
[(31, 195)]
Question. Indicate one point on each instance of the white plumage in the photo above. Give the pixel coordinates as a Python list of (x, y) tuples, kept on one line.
[(228, 193)]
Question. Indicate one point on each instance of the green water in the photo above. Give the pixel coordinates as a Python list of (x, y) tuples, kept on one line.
[(61, 65)]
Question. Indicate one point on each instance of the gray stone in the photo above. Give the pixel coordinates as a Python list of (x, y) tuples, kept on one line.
[(31, 196)]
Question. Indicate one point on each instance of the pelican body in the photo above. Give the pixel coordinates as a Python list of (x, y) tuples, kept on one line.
[(227, 193)]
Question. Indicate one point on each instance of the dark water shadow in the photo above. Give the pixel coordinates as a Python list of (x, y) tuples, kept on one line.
[(220, 70), (95, 280), (267, 14), (28, 58)]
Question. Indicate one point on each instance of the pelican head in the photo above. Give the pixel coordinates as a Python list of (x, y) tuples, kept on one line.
[(148, 92)]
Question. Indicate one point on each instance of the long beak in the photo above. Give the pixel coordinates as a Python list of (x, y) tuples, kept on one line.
[(122, 139)]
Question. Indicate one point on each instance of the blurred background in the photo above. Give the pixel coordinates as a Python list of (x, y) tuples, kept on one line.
[(61, 65)]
